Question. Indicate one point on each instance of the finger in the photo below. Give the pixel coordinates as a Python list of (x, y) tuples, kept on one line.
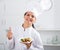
[(24, 42), (30, 42)]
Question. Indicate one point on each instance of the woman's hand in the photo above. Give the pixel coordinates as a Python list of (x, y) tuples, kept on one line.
[(27, 44), (9, 34)]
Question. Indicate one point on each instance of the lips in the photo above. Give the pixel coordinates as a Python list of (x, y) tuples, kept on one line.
[(31, 20)]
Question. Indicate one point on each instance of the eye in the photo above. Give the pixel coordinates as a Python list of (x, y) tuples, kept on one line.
[(32, 16), (28, 15)]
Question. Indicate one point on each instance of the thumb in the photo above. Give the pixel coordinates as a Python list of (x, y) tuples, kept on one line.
[(10, 29)]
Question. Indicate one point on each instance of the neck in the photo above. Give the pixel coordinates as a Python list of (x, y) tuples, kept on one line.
[(26, 24)]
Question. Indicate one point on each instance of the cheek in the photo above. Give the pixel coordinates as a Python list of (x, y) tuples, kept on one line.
[(34, 20), (25, 17)]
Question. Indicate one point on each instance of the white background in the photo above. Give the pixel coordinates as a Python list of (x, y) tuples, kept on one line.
[(12, 13)]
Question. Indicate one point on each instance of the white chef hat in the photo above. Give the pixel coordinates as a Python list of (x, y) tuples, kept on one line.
[(34, 11)]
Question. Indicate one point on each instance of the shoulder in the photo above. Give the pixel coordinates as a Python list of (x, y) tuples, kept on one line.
[(35, 32), (16, 29)]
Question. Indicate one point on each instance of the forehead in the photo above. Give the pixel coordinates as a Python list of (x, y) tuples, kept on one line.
[(31, 13)]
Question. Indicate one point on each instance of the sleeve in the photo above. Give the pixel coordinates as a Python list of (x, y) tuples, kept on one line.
[(37, 43), (11, 43)]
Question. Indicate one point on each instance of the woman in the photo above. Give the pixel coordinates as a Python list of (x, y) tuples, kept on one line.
[(26, 30)]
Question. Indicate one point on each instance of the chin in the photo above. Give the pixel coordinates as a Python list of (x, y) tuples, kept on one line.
[(30, 22)]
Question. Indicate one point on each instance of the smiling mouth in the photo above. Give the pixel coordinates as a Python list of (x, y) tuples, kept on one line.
[(31, 20)]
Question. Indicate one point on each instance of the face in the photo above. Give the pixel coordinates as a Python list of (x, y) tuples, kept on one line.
[(29, 17)]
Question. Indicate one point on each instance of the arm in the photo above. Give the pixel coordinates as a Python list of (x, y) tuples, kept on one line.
[(37, 43), (11, 43), (10, 39)]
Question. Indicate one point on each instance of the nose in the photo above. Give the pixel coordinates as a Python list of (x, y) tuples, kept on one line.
[(30, 17)]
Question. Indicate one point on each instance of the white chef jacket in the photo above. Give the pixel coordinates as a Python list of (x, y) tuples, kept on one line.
[(19, 33)]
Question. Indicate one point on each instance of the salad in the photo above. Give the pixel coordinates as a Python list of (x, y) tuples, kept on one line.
[(26, 39)]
